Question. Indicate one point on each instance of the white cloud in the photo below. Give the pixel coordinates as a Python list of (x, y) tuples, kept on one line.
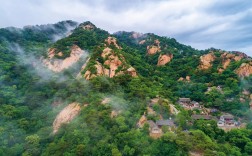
[(202, 24)]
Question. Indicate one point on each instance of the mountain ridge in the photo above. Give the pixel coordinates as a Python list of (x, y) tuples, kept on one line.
[(80, 90)]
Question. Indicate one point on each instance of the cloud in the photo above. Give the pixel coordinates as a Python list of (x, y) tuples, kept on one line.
[(201, 24)]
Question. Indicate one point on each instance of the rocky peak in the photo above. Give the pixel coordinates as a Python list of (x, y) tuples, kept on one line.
[(206, 61), (87, 25), (241, 54), (112, 41)]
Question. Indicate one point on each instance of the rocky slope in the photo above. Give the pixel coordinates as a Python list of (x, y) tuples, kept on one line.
[(110, 62), (58, 65), (245, 69), (114, 63), (66, 115), (153, 49), (226, 60), (206, 61)]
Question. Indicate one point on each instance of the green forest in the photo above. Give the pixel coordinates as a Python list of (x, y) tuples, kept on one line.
[(32, 96)]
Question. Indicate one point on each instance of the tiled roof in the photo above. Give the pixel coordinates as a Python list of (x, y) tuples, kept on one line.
[(165, 123)]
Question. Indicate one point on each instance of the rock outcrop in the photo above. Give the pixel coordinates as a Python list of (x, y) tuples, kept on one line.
[(114, 63), (142, 42), (244, 70), (187, 78), (153, 49), (66, 115), (206, 61), (115, 113), (112, 40), (181, 79), (82, 68), (137, 35), (87, 26), (131, 71), (106, 101), (164, 59), (240, 54), (226, 60), (57, 65), (113, 66)]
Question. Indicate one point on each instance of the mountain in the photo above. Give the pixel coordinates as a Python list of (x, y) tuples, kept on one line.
[(75, 89)]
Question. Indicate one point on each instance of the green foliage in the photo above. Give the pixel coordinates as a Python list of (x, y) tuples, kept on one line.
[(32, 145), (248, 148), (211, 129), (85, 39), (239, 138), (183, 119), (29, 104)]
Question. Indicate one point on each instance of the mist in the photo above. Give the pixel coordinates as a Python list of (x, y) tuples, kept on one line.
[(117, 102), (69, 29), (39, 69)]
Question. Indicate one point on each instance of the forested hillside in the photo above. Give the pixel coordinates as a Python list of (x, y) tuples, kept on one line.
[(75, 89)]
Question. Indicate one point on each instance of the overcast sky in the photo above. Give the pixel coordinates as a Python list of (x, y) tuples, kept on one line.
[(224, 24)]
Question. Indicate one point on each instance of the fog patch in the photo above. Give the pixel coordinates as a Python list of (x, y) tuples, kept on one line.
[(54, 31), (117, 103), (40, 70), (68, 32)]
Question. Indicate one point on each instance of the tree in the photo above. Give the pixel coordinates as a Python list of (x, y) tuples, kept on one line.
[(182, 119), (200, 141), (238, 138), (116, 152), (32, 145), (210, 128), (248, 148)]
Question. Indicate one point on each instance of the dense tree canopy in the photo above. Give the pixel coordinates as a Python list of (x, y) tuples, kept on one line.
[(30, 99)]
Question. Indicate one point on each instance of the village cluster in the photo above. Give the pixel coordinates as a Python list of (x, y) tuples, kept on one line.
[(225, 121)]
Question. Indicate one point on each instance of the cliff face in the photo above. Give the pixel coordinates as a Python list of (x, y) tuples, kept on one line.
[(57, 65), (66, 115), (153, 49), (206, 61), (164, 59), (226, 60), (114, 63), (244, 70)]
